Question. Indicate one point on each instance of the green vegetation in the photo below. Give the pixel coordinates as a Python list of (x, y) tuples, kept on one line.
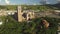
[(8, 7), (36, 7), (34, 27), (33, 7)]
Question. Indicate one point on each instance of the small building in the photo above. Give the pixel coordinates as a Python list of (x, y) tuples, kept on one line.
[(6, 12)]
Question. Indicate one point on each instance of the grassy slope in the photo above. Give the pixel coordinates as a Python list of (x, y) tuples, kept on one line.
[(14, 27)]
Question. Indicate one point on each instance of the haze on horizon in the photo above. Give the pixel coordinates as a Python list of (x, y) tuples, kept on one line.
[(26, 2)]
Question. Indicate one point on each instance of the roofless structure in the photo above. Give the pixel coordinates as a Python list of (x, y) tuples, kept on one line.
[(24, 15)]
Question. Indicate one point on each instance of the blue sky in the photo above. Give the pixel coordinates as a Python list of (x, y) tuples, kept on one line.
[(27, 2)]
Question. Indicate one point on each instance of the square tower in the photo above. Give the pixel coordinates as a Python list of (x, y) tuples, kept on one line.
[(19, 13)]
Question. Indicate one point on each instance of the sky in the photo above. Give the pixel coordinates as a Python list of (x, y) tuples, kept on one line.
[(26, 2)]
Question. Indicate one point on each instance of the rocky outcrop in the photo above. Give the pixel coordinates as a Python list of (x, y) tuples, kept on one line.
[(45, 23)]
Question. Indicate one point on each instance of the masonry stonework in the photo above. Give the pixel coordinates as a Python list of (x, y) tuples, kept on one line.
[(24, 15)]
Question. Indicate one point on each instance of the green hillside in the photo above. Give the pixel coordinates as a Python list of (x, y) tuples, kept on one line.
[(34, 27), (34, 7)]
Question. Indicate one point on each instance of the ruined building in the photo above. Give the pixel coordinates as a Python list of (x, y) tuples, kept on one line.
[(24, 15)]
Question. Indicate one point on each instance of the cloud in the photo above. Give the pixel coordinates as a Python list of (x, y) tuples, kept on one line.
[(0, 0), (47, 2), (58, 0), (7, 1)]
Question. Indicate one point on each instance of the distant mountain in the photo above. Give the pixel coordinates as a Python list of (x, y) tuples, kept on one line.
[(54, 6), (57, 5)]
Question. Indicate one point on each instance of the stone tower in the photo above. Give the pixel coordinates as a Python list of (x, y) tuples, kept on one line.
[(19, 13)]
